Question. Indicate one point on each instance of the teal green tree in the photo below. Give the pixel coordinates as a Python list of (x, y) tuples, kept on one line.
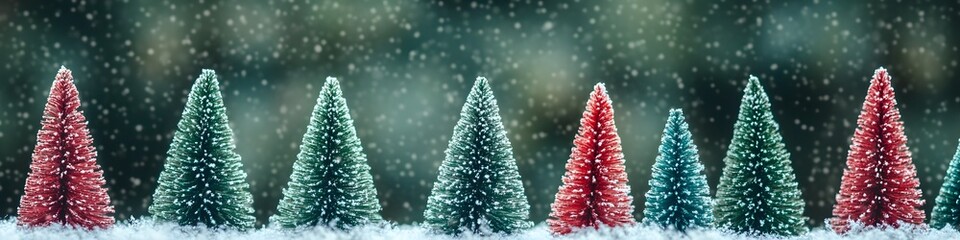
[(679, 197), (758, 191), (331, 182), (202, 182), (946, 212), (478, 188)]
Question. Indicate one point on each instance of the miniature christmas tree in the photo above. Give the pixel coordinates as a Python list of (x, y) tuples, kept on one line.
[(65, 184), (594, 191), (679, 197), (947, 210), (758, 191), (880, 185), (478, 188), (331, 182), (202, 182)]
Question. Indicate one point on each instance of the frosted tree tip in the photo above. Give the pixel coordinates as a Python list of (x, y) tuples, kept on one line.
[(754, 83), (600, 87), (331, 84), (331, 81), (207, 71), (599, 91), (482, 84), (881, 74), (64, 74), (880, 70), (676, 111), (480, 80), (63, 70)]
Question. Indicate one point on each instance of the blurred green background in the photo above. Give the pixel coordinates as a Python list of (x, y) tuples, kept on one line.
[(407, 65)]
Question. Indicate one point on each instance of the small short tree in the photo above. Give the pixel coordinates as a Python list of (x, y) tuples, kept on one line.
[(202, 182), (679, 197), (65, 183), (947, 209), (478, 188), (331, 182), (758, 191), (594, 191)]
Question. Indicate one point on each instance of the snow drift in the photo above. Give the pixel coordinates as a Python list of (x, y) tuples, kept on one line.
[(149, 229)]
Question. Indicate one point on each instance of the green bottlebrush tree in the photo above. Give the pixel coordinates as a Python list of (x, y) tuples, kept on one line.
[(331, 182), (202, 182), (758, 191), (947, 209), (478, 188), (679, 197)]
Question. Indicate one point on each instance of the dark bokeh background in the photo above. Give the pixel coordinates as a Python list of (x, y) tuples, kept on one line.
[(406, 67)]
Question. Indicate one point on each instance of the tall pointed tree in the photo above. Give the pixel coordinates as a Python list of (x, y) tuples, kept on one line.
[(331, 182), (758, 191), (947, 209), (478, 188), (202, 182), (594, 191), (879, 185), (65, 184), (679, 197)]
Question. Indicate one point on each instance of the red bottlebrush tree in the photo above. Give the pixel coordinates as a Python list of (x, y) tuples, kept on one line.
[(880, 185), (594, 190), (65, 184)]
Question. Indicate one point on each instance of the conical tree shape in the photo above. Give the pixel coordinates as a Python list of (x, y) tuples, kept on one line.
[(331, 182), (478, 188), (594, 191), (880, 185), (65, 184), (947, 209), (202, 182), (679, 197), (758, 191)]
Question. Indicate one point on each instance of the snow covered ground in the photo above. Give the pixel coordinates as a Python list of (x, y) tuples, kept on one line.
[(148, 229)]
